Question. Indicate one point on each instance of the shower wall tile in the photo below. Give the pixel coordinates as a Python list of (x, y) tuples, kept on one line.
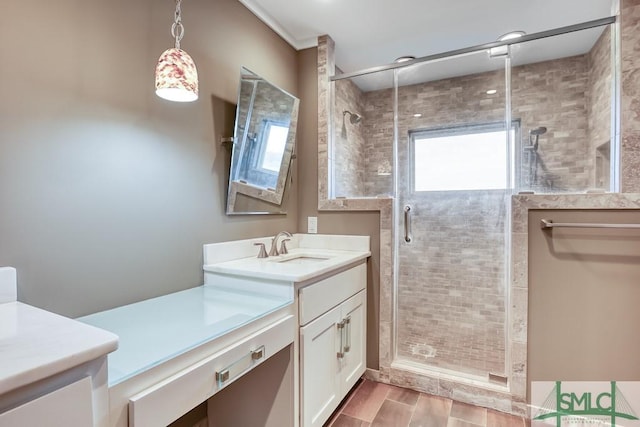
[(519, 270), (519, 214), (373, 375), (378, 110), (553, 94), (467, 393), (452, 281), (385, 344), (630, 51), (386, 271), (599, 110), (519, 359), (385, 374), (519, 301), (631, 164), (630, 94), (415, 381), (527, 202), (475, 395), (326, 68), (441, 103), (348, 142), (518, 386), (630, 102), (451, 272)]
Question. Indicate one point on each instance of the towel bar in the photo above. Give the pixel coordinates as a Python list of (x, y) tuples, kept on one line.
[(547, 224)]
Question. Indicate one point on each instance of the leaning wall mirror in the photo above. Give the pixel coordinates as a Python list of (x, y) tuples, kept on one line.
[(263, 143)]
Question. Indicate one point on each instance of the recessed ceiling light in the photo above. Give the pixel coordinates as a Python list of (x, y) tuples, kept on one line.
[(405, 58), (492, 92), (416, 115), (511, 35)]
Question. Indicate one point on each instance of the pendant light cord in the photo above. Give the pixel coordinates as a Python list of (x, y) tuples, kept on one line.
[(177, 30)]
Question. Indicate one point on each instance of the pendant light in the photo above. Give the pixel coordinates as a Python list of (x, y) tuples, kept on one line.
[(176, 74)]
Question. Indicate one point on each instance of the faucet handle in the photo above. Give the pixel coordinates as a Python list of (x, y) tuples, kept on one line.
[(283, 247), (263, 251), (274, 247)]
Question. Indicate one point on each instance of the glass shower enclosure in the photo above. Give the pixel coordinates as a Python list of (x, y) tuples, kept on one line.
[(451, 139), (453, 183)]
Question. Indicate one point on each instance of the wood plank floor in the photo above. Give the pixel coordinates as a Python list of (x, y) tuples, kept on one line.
[(373, 404)]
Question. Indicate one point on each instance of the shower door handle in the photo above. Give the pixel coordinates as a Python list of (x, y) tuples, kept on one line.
[(407, 224)]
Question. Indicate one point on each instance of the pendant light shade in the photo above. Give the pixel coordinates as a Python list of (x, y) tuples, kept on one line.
[(176, 74)]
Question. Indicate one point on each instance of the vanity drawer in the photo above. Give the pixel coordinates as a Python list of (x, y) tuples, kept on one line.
[(69, 406), (322, 296), (171, 398)]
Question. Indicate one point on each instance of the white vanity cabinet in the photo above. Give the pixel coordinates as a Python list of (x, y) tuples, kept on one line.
[(53, 370), (179, 350), (332, 342), (69, 406), (329, 276)]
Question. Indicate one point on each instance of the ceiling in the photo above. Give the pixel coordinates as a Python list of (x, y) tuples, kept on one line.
[(369, 33), (540, 50)]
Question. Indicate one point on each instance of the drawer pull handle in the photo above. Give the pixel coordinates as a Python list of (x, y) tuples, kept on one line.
[(240, 366), (347, 322), (340, 326), (257, 354), (222, 376)]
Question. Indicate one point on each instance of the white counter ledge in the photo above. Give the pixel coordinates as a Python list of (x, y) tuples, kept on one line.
[(156, 330), (277, 268), (36, 344), (319, 254)]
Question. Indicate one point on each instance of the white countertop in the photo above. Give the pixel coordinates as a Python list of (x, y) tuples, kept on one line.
[(272, 267), (35, 344), (156, 330)]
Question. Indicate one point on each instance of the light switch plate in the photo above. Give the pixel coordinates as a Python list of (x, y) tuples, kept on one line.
[(312, 225)]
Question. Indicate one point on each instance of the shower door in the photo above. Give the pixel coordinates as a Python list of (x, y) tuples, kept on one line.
[(453, 185)]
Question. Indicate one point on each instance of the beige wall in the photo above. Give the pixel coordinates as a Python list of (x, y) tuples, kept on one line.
[(108, 192), (361, 223), (583, 295)]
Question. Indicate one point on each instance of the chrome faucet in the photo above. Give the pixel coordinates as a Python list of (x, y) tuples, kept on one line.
[(263, 252), (274, 243)]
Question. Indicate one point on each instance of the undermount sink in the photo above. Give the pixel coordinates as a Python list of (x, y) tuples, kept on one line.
[(302, 259), (310, 256)]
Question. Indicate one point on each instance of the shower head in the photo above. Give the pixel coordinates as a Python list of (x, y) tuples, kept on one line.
[(533, 137), (538, 131), (354, 118)]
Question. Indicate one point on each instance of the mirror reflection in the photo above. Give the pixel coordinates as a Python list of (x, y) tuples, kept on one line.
[(264, 139)]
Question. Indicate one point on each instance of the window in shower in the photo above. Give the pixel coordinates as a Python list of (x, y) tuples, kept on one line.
[(461, 158), (275, 137)]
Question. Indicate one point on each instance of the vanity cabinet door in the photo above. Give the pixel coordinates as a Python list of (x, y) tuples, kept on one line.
[(69, 406), (353, 364), (320, 343)]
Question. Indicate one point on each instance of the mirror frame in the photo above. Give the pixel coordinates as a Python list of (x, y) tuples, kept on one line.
[(269, 200)]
